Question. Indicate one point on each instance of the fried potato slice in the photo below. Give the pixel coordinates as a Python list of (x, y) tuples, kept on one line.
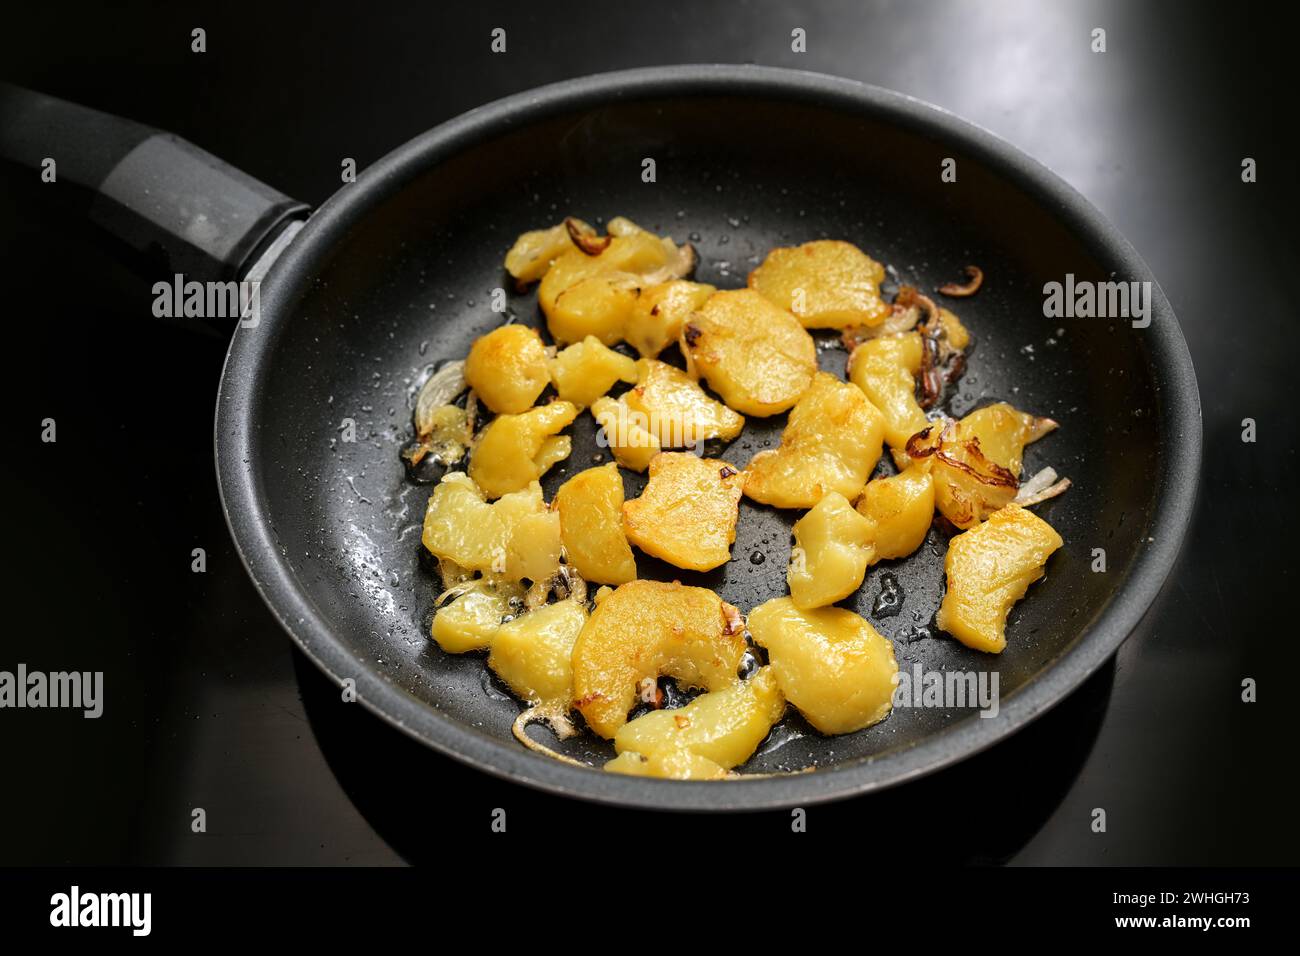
[(687, 513), (660, 311), (976, 462), (592, 289), (885, 369), (533, 653), (831, 442), (957, 334), (989, 569), (832, 550), (833, 666), (647, 629), (754, 354), (507, 368), (622, 433), (900, 509), (514, 450), (681, 764), (672, 406), (826, 284), (1003, 432), (586, 370), (534, 251), (517, 537), (468, 622), (706, 738), (590, 505)]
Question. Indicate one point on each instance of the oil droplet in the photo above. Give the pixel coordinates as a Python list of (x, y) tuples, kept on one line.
[(890, 600), (749, 663), (913, 633), (490, 686), (757, 557)]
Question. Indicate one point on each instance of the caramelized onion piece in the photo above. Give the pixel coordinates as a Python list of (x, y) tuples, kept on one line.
[(902, 318), (585, 238), (958, 290), (471, 413), (554, 718), (565, 583), (935, 350), (441, 389), (986, 472), (955, 368)]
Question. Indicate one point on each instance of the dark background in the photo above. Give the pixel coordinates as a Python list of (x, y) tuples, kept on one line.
[(209, 707)]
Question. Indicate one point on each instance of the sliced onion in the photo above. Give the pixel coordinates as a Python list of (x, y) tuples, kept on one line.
[(441, 389), (680, 264), (1041, 487), (902, 318)]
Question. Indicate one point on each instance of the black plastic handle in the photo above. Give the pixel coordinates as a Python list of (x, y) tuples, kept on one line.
[(178, 206)]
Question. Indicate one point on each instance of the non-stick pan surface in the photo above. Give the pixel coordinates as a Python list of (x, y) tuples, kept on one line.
[(394, 275)]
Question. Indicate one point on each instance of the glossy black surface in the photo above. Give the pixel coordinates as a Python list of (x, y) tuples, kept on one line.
[(206, 713)]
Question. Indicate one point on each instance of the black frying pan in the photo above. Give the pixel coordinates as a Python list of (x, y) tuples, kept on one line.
[(393, 275)]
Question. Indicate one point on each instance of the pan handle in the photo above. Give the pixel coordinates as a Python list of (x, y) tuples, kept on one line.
[(176, 206)]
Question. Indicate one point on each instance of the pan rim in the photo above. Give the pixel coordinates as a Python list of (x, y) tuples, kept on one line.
[(252, 528)]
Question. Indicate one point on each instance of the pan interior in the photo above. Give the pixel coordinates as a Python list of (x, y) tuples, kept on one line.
[(410, 286)]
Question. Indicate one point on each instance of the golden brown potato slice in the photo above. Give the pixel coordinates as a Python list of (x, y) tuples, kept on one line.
[(514, 450), (596, 305), (468, 622), (592, 291), (900, 509), (706, 738), (517, 537), (827, 284), (507, 368), (754, 354), (672, 407), (989, 568), (660, 311), (681, 764), (533, 252), (621, 431), (587, 370), (687, 513), (590, 505), (832, 548), (1003, 432), (831, 664), (647, 629), (533, 652), (957, 334), (831, 443), (885, 369)]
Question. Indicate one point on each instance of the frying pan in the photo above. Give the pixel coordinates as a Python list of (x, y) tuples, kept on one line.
[(360, 301)]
